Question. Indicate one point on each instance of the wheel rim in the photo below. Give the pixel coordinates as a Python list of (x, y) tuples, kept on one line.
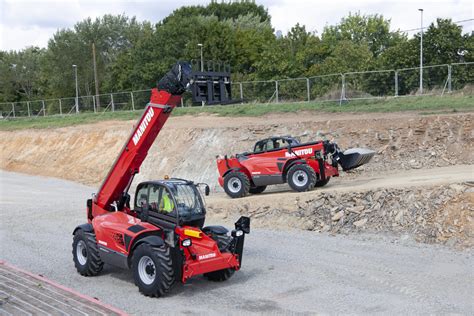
[(234, 185), (81, 252), (300, 178), (146, 270)]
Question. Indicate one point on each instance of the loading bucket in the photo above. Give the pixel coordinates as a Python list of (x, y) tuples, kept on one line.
[(355, 157)]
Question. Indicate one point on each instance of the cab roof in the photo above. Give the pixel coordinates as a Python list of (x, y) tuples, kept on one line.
[(167, 182)]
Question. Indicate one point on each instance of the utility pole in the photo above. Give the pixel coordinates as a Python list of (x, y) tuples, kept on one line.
[(77, 89), (202, 66), (421, 53), (96, 80), (202, 61)]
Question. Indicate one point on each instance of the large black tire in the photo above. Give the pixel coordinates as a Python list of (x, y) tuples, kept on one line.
[(236, 184), (153, 270), (224, 243), (257, 190), (86, 253), (322, 183), (301, 177)]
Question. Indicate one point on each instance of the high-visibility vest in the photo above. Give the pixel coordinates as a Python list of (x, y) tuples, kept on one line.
[(167, 203)]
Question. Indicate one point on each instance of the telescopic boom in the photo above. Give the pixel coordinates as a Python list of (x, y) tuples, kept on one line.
[(163, 99)]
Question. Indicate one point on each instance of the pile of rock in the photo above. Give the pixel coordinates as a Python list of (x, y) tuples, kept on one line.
[(440, 214), (437, 214)]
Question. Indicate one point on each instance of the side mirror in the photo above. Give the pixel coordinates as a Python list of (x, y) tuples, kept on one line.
[(243, 224), (207, 190)]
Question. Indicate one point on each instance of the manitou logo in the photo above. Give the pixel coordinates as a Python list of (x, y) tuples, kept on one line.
[(141, 129), (300, 152), (208, 256)]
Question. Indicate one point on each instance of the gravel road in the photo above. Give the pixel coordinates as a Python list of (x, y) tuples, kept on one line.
[(278, 195), (283, 271)]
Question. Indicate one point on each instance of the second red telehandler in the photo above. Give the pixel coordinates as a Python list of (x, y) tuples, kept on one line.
[(284, 159)]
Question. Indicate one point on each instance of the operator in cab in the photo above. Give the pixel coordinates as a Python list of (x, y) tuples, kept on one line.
[(166, 203)]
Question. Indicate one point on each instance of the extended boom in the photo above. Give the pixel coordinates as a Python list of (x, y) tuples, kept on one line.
[(112, 194)]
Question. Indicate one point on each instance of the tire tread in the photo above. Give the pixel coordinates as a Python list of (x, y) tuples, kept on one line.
[(311, 175)]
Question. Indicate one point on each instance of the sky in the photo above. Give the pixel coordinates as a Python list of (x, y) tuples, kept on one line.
[(33, 22)]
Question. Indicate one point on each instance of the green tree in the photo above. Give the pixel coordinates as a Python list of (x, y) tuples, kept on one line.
[(372, 30), (111, 34), (223, 11), (444, 43), (22, 75)]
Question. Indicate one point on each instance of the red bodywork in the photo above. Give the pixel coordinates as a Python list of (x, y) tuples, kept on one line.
[(114, 225), (270, 167), (134, 152)]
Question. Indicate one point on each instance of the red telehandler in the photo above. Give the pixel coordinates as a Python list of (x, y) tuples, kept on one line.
[(284, 159), (160, 237)]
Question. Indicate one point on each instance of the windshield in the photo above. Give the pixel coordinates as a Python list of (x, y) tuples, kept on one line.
[(188, 200)]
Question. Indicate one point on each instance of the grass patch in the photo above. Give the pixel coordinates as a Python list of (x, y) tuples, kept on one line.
[(425, 105)]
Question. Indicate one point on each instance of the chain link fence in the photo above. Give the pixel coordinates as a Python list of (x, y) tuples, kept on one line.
[(437, 80)]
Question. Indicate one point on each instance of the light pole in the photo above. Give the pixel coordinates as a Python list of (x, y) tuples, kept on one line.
[(202, 66), (421, 53), (202, 61), (77, 90)]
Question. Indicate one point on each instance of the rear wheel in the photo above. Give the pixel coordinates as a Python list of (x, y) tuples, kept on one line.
[(322, 183), (86, 254), (301, 177), (257, 190), (224, 243), (153, 270), (236, 184)]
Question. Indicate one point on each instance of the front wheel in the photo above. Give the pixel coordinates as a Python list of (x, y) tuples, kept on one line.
[(301, 177), (236, 184), (153, 270), (86, 253)]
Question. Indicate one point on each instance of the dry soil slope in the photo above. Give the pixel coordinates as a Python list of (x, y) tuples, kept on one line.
[(187, 146)]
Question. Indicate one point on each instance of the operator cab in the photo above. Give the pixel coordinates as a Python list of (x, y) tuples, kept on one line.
[(274, 143), (175, 201)]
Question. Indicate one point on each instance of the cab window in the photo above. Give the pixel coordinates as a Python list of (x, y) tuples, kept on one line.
[(279, 143), (259, 147), (141, 200), (269, 145), (160, 200)]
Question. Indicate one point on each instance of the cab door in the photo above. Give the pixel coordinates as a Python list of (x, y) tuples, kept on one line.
[(156, 201), (266, 167)]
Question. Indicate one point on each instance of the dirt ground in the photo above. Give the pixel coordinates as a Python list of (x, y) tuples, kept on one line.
[(187, 146), (422, 152)]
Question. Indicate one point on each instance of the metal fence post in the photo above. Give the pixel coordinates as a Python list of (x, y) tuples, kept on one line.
[(60, 107), (44, 109), (308, 89), (343, 89), (449, 78), (112, 100), (13, 109), (93, 104), (396, 83), (276, 91), (28, 108), (133, 101), (241, 93)]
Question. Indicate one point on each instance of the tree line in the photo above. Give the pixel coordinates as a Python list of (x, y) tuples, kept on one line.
[(132, 55)]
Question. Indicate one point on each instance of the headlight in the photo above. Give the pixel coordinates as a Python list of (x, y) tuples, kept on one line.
[(237, 233), (186, 242)]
